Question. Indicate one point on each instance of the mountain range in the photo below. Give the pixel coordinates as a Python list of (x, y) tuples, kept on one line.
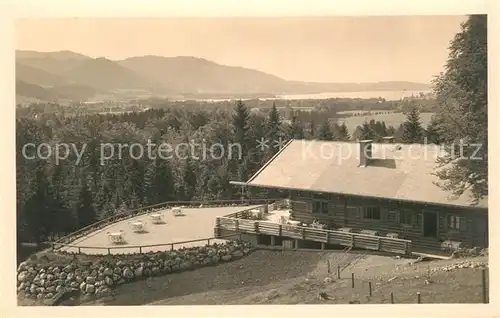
[(65, 75)]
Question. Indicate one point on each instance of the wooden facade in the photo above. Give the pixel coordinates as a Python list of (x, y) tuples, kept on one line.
[(426, 225)]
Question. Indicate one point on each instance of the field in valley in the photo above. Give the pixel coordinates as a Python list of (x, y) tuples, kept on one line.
[(390, 120), (297, 277)]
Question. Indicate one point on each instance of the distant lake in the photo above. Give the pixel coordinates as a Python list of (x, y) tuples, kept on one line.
[(387, 95)]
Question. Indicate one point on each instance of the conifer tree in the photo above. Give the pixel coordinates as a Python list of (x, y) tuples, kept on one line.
[(412, 127), (462, 110), (343, 133), (325, 131)]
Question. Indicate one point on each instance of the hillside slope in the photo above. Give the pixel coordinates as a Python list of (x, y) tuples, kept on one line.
[(194, 75), (105, 74), (38, 76)]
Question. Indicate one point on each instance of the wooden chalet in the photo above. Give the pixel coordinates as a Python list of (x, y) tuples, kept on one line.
[(386, 189)]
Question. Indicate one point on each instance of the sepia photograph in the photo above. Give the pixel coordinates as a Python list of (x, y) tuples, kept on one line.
[(324, 160)]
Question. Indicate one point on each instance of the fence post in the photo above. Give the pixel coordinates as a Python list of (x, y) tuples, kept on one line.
[(109, 251), (338, 271), (280, 230), (370, 288), (256, 227), (217, 227), (352, 280), (418, 298), (392, 298), (236, 225), (485, 294), (208, 241), (328, 263), (79, 250), (172, 246), (140, 249), (352, 240)]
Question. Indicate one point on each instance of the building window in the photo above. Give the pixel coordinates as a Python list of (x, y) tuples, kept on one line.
[(324, 207), (408, 217), (320, 207), (456, 223), (393, 216), (372, 213)]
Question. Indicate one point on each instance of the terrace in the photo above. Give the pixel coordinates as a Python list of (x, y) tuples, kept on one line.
[(157, 229), (275, 222)]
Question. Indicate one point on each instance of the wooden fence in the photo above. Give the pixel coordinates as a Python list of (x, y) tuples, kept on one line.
[(140, 248), (66, 240), (354, 240)]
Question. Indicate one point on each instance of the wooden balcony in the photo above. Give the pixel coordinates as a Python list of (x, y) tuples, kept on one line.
[(355, 240)]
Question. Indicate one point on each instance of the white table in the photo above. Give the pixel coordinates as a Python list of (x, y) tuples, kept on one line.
[(156, 217), (116, 237), (137, 226), (177, 211)]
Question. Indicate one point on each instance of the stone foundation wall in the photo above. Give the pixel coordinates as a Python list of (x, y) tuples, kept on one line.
[(50, 277)]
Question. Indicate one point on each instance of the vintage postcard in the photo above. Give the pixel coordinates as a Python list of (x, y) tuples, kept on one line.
[(274, 159)]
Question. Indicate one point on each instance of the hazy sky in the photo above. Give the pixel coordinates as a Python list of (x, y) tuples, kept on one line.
[(323, 49)]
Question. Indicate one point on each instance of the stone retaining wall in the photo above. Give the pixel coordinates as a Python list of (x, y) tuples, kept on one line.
[(95, 276)]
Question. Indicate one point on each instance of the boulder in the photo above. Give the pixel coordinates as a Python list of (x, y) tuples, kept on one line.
[(89, 289), (22, 276), (107, 272), (90, 280), (139, 271), (127, 273), (68, 268)]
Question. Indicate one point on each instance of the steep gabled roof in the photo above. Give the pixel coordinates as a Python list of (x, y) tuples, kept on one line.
[(401, 172)]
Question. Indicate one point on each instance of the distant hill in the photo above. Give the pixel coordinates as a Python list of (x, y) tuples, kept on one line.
[(38, 76), (193, 75), (105, 74), (190, 75), (63, 92), (66, 74), (59, 55), (33, 91), (52, 62)]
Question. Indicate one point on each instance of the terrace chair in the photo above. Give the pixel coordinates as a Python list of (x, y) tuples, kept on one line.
[(177, 211), (282, 220)]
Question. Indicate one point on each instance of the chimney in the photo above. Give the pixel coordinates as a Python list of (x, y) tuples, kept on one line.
[(365, 152), (388, 140)]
